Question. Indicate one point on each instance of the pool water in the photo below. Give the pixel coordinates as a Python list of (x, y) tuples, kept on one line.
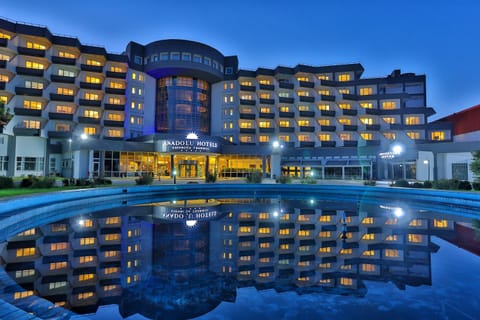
[(274, 258)]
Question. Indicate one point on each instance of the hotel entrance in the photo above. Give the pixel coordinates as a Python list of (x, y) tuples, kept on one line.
[(190, 166), (188, 169)]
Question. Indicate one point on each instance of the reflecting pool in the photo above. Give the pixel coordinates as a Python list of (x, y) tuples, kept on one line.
[(266, 258)]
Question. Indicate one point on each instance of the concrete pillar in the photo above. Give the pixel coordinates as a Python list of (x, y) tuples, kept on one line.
[(275, 165)]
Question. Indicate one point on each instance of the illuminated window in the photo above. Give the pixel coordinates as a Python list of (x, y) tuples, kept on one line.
[(114, 68), (263, 216), (391, 253), (324, 234), (33, 84), (323, 77), (326, 265), (245, 258), (366, 105), (390, 135), (324, 92), (391, 221), (22, 294), (367, 267), (264, 245), (283, 261), (412, 120), (344, 77), (3, 78), (65, 54), (303, 93), (35, 45), (264, 260), (303, 123), (389, 105), (303, 78), (325, 250), (58, 246), (58, 265), (325, 218), (284, 123), (111, 270), (29, 232), (392, 237), (111, 254), (346, 281), (368, 220), (32, 105), (345, 106), (264, 138), (64, 109), (91, 114), (284, 246), (346, 251), (90, 130), (110, 287), (415, 238), (246, 124), (65, 91), (31, 124), (34, 65), (87, 241), (264, 274), (368, 121), (4, 57), (324, 122), (86, 259), (24, 273), (84, 295), (440, 223), (265, 96), (265, 124), (55, 285), (368, 236), (414, 135), (303, 137), (265, 81), (344, 91), (5, 36), (345, 136), (437, 135), (264, 230), (92, 62), (114, 100), (366, 91), (345, 121), (91, 96), (90, 79), (366, 136), (368, 253), (245, 229), (25, 252), (303, 263), (284, 109), (112, 237)]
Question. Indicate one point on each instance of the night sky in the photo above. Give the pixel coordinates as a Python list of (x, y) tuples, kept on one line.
[(436, 38)]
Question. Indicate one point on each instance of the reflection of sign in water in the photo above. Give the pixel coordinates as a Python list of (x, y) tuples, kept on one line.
[(187, 213), (188, 145)]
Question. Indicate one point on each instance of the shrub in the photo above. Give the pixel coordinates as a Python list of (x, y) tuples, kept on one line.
[(45, 182), (401, 183), (102, 181), (427, 184), (417, 185), (369, 183), (211, 177), (284, 179), (254, 177), (464, 185), (442, 184), (27, 182), (82, 182), (6, 182), (476, 186), (144, 180), (309, 180)]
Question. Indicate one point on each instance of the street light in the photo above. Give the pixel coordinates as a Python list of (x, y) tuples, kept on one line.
[(174, 176), (428, 168)]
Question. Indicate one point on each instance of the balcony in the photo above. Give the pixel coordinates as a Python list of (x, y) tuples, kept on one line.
[(248, 130), (61, 97), (116, 107), (307, 129), (28, 91), (247, 88), (284, 114), (308, 114), (350, 127), (373, 142), (115, 91), (348, 96), (62, 79), (60, 134), (266, 115), (372, 127), (350, 143), (306, 99), (91, 86), (372, 111), (31, 52), (27, 112), (286, 100), (89, 120), (2, 85), (20, 131), (349, 112), (118, 75), (247, 116), (269, 87), (328, 128), (62, 60), (285, 85), (328, 144), (307, 144), (249, 102), (266, 130), (306, 84), (29, 72), (267, 101), (3, 63), (113, 123), (326, 97), (90, 103), (328, 113), (3, 42), (60, 116), (87, 67), (286, 129)]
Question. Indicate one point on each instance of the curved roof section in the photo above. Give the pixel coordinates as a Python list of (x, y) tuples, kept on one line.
[(464, 121)]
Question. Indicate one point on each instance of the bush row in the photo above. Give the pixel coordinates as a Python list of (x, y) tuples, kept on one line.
[(442, 184)]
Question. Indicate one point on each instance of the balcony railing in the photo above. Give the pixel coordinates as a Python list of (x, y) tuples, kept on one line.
[(87, 67), (89, 120), (328, 128), (111, 106), (59, 134), (286, 100), (373, 127), (284, 114), (286, 129), (328, 113), (30, 71), (285, 85), (62, 79), (113, 123), (306, 99), (267, 101), (21, 131), (31, 52), (307, 128), (269, 87), (119, 75), (306, 84), (28, 91), (91, 86), (63, 60), (248, 102), (350, 143), (60, 116), (248, 130), (90, 103), (247, 116), (350, 127), (247, 88), (328, 144), (349, 112), (115, 91), (27, 112), (266, 130), (307, 144), (309, 114), (62, 97), (266, 115)]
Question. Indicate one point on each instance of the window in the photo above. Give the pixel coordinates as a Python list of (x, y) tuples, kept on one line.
[(197, 58), (5, 36), (207, 61), (304, 123), (368, 236), (175, 56), (34, 65), (64, 109), (112, 237), (84, 295), (264, 230), (35, 45), (366, 136), (90, 79), (92, 96), (117, 101), (440, 223), (24, 273), (345, 121), (415, 238), (366, 91), (344, 91), (58, 265), (345, 106), (228, 70), (324, 137), (437, 135), (31, 124), (65, 91), (346, 251), (32, 105), (33, 84), (65, 54), (29, 232), (245, 229), (58, 246), (389, 120), (86, 259), (303, 233), (114, 133), (91, 114), (392, 253), (26, 252), (324, 92), (344, 77), (389, 105), (390, 135), (186, 56), (87, 241), (368, 121), (65, 73), (323, 77), (55, 285), (138, 60), (93, 62), (367, 267), (325, 218), (414, 135), (22, 294), (366, 105), (58, 227), (412, 120)]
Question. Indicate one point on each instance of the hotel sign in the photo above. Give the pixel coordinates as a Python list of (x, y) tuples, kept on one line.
[(185, 213), (203, 144)]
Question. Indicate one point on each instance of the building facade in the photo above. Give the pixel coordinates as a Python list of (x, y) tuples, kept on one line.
[(178, 107)]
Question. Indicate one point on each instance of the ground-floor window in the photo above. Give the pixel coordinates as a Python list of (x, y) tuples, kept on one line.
[(460, 171), (29, 164), (3, 163)]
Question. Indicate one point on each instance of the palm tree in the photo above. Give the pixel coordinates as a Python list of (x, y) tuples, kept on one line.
[(5, 116)]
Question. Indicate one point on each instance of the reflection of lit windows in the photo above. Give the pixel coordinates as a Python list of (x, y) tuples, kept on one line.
[(391, 221), (25, 252), (368, 236), (22, 294), (367, 267), (415, 238), (391, 253), (346, 281), (346, 251), (24, 273), (416, 223), (369, 253), (368, 220), (440, 223)]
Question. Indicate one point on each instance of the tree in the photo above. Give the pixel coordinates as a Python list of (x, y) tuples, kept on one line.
[(5, 115), (475, 165)]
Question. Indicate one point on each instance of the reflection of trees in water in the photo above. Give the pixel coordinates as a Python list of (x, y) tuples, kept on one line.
[(476, 227)]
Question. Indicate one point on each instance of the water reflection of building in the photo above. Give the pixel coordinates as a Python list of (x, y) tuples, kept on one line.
[(151, 262)]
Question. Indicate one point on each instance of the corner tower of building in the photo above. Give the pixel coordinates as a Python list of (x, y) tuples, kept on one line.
[(175, 78)]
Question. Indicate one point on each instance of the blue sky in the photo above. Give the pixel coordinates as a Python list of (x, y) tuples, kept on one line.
[(436, 38)]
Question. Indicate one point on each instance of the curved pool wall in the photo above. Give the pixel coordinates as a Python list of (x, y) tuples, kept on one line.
[(22, 213)]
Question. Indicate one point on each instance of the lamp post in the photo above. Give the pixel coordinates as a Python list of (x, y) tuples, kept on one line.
[(276, 159), (174, 176), (84, 137), (428, 168)]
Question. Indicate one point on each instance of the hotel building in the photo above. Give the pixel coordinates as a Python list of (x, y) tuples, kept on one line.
[(182, 106)]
